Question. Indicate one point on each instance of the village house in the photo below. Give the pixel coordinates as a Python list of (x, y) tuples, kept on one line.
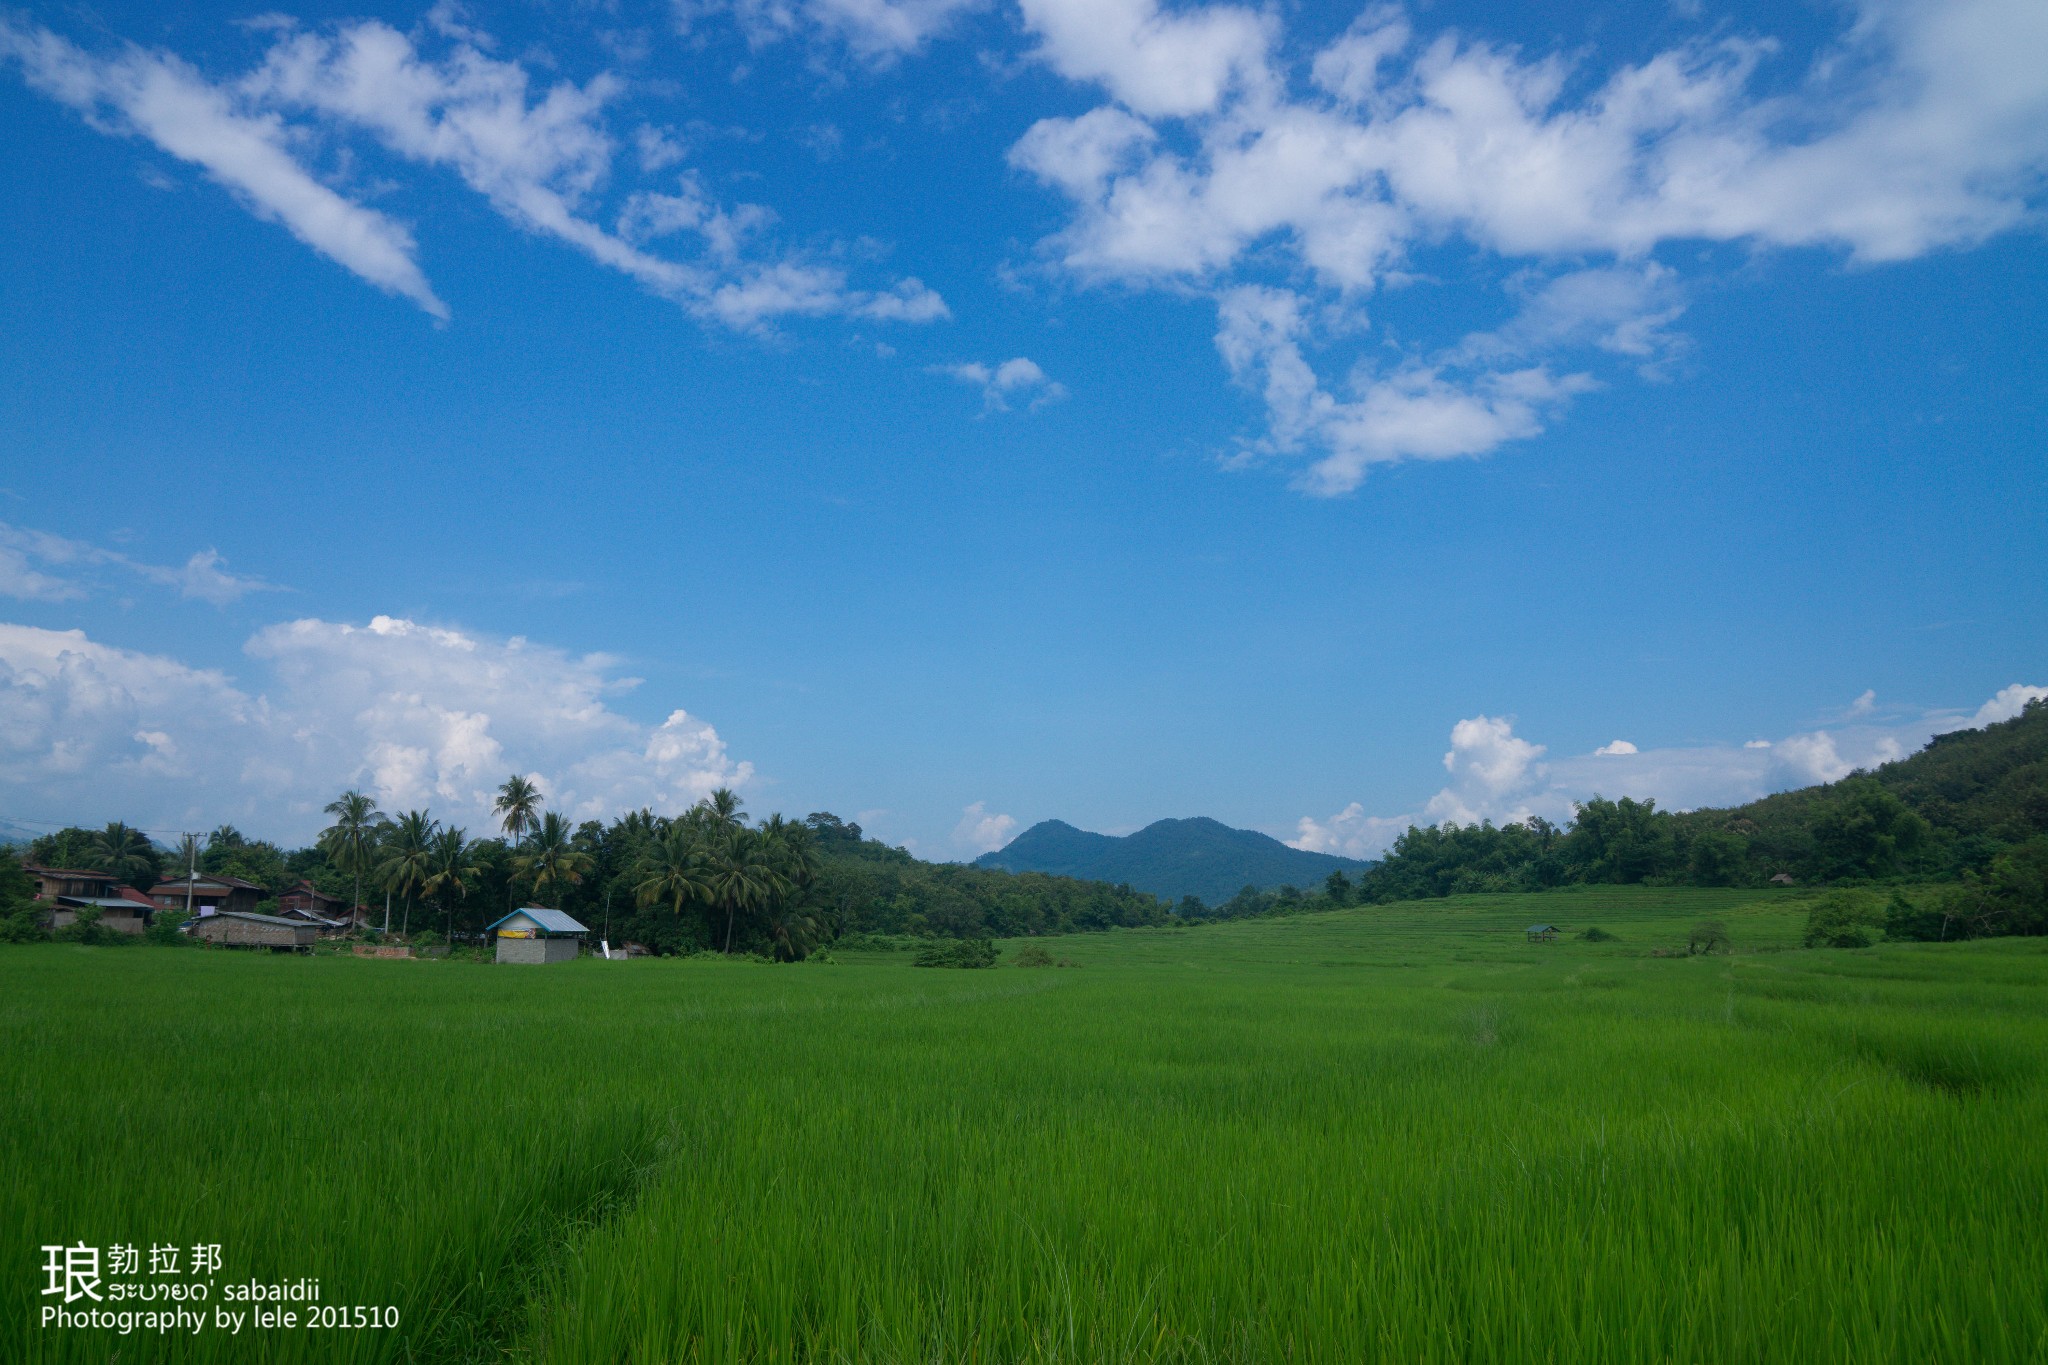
[(535, 934), (209, 894), (243, 929), (125, 910), (310, 905), (52, 882)]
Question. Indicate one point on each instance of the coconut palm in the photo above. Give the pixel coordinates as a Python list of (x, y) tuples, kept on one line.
[(350, 843), (739, 874), (723, 806), (408, 859), (124, 852), (672, 871), (451, 867), (553, 858), (518, 806)]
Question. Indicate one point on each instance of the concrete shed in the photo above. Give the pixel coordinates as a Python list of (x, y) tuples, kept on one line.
[(534, 934), (247, 929)]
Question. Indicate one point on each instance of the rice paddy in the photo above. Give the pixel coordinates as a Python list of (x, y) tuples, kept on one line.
[(1402, 1133)]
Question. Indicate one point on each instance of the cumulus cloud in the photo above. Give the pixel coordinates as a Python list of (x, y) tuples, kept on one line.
[(203, 577), (980, 832), (416, 715), (1497, 775), (999, 383), (1924, 126), (541, 155)]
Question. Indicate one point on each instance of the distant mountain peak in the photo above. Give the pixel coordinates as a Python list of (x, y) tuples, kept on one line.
[(1195, 856)]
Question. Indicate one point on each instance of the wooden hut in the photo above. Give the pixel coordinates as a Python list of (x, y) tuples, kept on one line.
[(52, 882), (246, 929), (534, 934), (208, 893), (1542, 933)]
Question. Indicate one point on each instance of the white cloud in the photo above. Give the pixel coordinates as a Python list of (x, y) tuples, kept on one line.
[(1925, 126), (160, 98), (1000, 383), (2008, 703), (542, 157), (1160, 64), (1864, 705), (980, 832), (1440, 410), (416, 715), (202, 576), (1497, 775), (877, 31)]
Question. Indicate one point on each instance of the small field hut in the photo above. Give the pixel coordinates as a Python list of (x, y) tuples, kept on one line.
[(247, 929), (1540, 933), (535, 934)]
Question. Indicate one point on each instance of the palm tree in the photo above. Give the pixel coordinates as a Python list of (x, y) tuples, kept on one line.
[(408, 859), (723, 806), (672, 870), (553, 858), (739, 873), (518, 806), (123, 851), (449, 870), (350, 843)]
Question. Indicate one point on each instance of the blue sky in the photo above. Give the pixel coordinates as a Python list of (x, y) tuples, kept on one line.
[(1317, 417)]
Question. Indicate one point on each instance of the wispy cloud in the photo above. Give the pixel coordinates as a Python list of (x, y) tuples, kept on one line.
[(540, 154), (70, 565)]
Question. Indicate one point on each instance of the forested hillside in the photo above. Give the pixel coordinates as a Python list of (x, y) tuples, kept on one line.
[(1202, 858), (1970, 808)]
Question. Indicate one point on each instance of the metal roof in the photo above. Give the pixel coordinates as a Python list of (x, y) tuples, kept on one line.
[(554, 921), (106, 902), (260, 919), (1534, 928)]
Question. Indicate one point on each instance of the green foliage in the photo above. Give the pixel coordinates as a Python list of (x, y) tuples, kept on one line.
[(1593, 933), (69, 847), (1031, 955), (21, 920), (126, 854), (1949, 812), (1845, 919), (962, 952), (166, 930)]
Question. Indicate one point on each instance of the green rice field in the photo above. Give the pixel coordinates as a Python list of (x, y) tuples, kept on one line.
[(1399, 1133)]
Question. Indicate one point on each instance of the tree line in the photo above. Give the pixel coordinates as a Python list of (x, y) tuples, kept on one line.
[(706, 880)]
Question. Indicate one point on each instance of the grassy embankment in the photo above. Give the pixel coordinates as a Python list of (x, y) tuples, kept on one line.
[(1401, 1133)]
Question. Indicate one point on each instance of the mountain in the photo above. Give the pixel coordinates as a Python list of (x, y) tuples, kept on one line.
[(1170, 858)]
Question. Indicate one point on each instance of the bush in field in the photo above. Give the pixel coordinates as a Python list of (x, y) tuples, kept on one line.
[(1031, 955), (1708, 936), (1844, 919), (166, 930), (85, 927), (1595, 934), (966, 952)]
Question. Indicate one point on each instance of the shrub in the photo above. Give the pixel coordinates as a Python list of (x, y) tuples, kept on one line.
[(1708, 936), (1844, 919), (1914, 923), (965, 952), (166, 929), (22, 924), (1031, 955), (1595, 934)]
